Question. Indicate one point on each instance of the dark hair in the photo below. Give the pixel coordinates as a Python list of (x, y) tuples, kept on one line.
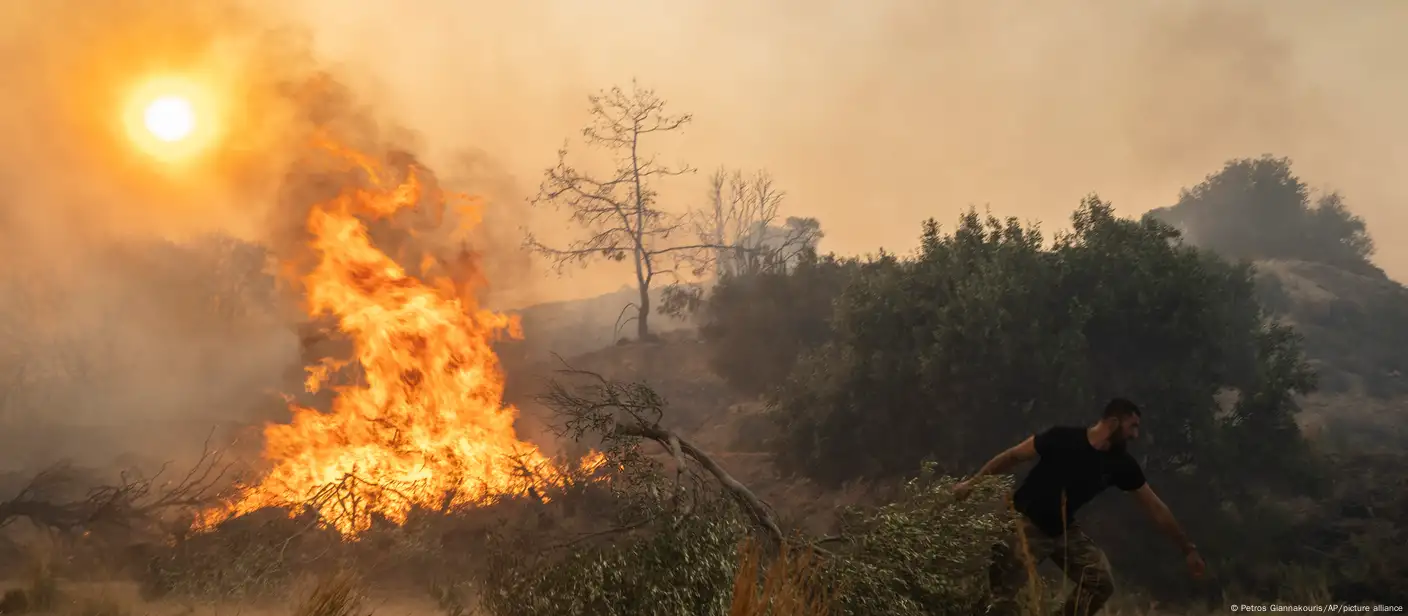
[(1120, 408)]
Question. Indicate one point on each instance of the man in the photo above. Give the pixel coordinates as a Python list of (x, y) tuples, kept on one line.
[(1076, 464)]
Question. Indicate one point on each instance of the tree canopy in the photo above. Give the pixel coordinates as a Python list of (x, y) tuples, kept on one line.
[(986, 334), (1259, 209), (756, 324)]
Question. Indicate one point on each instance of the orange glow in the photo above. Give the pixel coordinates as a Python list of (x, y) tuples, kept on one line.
[(172, 119), (79, 113), (426, 424)]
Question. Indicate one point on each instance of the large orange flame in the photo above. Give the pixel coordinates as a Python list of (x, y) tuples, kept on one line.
[(426, 426)]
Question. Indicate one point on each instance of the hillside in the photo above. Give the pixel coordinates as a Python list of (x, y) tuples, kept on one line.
[(1355, 332), (573, 327), (1354, 326), (1316, 271)]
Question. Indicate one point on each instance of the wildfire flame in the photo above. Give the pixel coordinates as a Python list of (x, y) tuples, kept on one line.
[(426, 425)]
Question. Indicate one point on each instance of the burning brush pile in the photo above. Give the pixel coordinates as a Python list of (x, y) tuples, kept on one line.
[(416, 429), (423, 423), (414, 474)]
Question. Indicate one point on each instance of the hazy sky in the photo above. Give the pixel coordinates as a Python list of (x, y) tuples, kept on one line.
[(875, 115)]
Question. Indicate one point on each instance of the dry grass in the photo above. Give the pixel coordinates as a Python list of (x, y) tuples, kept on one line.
[(1035, 588), (97, 605), (41, 585), (453, 599), (333, 595), (39, 590), (788, 586)]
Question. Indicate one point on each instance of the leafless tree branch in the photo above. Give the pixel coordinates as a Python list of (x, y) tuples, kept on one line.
[(48, 500), (742, 223), (623, 413), (618, 211)]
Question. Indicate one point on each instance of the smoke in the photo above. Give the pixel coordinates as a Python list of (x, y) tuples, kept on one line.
[(147, 300), (872, 116), (915, 109)]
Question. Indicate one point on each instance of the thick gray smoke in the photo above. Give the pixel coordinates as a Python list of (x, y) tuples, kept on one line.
[(148, 301)]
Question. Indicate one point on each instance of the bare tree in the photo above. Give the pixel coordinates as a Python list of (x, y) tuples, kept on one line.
[(742, 223), (619, 213), (741, 227)]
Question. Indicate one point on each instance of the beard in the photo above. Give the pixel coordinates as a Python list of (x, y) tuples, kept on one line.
[(1118, 440)]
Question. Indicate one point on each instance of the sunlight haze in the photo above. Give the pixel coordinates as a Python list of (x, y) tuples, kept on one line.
[(917, 109), (871, 116)]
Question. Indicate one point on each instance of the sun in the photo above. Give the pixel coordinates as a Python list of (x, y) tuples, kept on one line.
[(170, 118)]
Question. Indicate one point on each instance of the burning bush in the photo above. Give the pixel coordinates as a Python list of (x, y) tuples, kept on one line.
[(422, 422)]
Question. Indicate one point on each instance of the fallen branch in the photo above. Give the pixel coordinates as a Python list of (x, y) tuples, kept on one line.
[(49, 498), (673, 442), (620, 413)]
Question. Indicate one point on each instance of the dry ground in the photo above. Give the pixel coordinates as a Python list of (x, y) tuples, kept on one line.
[(123, 599)]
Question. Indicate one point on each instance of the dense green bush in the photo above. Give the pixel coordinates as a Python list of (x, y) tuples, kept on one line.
[(987, 335), (757, 324), (1356, 536), (680, 565)]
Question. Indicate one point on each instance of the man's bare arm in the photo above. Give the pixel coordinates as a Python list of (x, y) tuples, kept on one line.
[(1001, 463), (1024, 451), (1163, 518)]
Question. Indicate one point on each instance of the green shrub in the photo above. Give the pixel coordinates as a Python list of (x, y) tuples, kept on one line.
[(680, 565), (922, 554), (756, 325)]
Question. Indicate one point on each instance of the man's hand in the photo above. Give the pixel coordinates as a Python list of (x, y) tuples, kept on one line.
[(1158, 511), (1196, 566), (961, 490)]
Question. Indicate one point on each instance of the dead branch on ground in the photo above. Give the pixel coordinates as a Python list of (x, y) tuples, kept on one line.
[(622, 414), (64, 498)]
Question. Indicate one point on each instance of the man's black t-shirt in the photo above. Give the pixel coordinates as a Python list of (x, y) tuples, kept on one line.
[(1069, 464)]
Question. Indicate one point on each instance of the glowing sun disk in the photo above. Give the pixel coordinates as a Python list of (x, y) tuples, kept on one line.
[(170, 118), (173, 119)]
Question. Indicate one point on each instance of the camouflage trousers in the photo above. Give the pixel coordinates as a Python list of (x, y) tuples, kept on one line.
[(1082, 561)]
